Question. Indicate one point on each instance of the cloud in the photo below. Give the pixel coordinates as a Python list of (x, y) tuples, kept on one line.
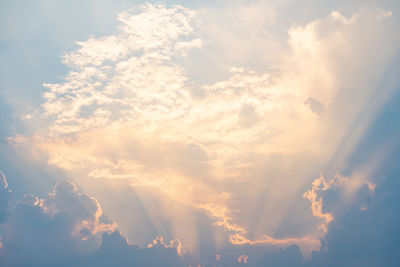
[(159, 242), (67, 228), (242, 151), (315, 106), (41, 231), (285, 257), (44, 231), (243, 259), (66, 221), (365, 233), (115, 251), (345, 188)]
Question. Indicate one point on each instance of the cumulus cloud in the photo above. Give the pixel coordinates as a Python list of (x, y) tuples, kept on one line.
[(243, 150), (115, 251), (66, 221), (159, 242), (67, 228), (365, 232), (43, 232), (345, 189)]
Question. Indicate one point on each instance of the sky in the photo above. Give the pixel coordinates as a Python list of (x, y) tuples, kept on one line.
[(199, 133)]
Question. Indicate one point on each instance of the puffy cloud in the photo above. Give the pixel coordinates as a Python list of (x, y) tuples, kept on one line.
[(66, 221), (365, 233), (115, 251), (85, 210), (346, 188), (67, 228), (159, 242), (43, 231)]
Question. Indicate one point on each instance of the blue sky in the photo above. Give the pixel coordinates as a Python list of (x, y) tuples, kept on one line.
[(199, 133)]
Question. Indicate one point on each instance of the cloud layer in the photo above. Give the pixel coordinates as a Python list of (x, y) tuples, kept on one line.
[(44, 232)]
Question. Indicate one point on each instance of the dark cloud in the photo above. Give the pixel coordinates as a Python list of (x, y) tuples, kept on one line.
[(286, 257), (367, 234), (364, 233), (258, 256), (51, 232), (115, 251), (48, 230), (67, 228)]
